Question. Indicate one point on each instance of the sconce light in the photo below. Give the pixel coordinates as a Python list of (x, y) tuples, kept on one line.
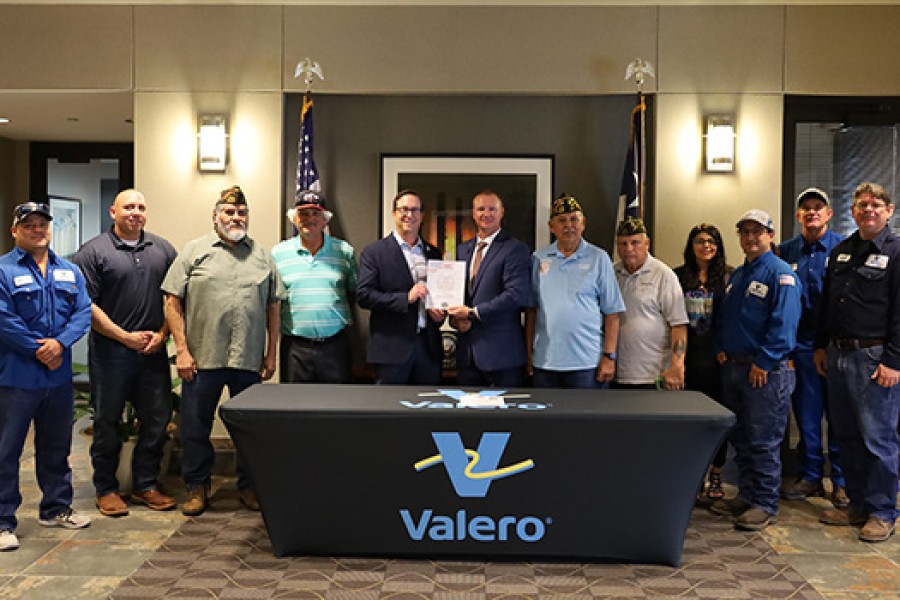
[(212, 144), (719, 143)]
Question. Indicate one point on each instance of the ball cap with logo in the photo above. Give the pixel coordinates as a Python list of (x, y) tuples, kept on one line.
[(757, 216), (22, 211), (309, 199), (813, 193)]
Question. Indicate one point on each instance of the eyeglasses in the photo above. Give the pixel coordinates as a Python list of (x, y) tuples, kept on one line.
[(875, 206), (752, 232), (408, 210), (230, 212), (705, 242)]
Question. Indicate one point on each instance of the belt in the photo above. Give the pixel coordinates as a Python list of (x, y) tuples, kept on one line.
[(856, 343), (747, 359), (313, 341)]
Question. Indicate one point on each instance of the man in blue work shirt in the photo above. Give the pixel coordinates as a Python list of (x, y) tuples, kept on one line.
[(858, 347), (760, 314), (807, 254), (44, 309)]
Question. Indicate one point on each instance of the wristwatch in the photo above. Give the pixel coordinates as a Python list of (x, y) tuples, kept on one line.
[(472, 314), (610, 355)]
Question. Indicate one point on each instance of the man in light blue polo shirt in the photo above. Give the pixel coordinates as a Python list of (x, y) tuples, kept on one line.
[(320, 274), (573, 328)]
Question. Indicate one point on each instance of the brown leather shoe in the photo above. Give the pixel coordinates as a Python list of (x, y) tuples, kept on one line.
[(839, 497), (732, 507), (196, 502), (842, 517), (754, 519), (876, 530), (248, 499), (154, 499), (111, 505)]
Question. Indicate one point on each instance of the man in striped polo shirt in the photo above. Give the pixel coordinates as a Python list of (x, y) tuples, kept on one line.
[(319, 272)]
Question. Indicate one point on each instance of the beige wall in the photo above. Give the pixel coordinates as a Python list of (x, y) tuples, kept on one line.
[(178, 60)]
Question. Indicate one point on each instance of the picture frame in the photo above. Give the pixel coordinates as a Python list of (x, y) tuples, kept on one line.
[(447, 185), (65, 227)]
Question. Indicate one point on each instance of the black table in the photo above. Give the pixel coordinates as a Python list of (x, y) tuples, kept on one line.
[(381, 470)]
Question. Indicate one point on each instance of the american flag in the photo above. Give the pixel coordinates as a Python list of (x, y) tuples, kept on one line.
[(307, 174), (630, 194)]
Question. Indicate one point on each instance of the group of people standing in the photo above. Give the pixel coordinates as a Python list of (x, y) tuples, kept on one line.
[(742, 337)]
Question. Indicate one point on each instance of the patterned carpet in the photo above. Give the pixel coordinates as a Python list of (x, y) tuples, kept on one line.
[(226, 553)]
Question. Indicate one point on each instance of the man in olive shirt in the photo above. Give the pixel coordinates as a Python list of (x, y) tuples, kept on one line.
[(222, 307)]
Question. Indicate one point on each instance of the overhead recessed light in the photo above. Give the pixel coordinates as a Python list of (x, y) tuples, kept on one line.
[(4, 120)]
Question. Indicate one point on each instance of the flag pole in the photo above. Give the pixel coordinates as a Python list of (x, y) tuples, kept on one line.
[(640, 69)]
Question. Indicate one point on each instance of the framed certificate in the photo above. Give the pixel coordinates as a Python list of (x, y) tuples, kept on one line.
[(446, 283)]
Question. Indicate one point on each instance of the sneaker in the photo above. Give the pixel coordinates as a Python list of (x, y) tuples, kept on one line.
[(196, 503), (8, 540), (731, 507), (248, 499), (876, 530), (801, 489), (839, 497), (67, 519), (754, 519), (153, 499), (111, 505), (843, 518)]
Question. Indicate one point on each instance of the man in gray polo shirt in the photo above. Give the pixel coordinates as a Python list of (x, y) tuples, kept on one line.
[(222, 306), (123, 268)]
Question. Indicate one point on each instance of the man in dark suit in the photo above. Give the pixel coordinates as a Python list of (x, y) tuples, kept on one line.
[(404, 338), (491, 347)]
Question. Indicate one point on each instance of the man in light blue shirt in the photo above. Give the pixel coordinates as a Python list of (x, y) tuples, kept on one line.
[(320, 274), (573, 328)]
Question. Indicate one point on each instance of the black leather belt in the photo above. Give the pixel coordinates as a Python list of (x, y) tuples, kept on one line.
[(313, 341), (856, 343)]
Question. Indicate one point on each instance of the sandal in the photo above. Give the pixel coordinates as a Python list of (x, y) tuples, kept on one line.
[(714, 490)]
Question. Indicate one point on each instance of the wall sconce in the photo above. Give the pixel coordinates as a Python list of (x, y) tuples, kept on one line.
[(212, 144), (719, 144)]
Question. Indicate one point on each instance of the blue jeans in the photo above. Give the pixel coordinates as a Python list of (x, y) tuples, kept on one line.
[(762, 416), (865, 421), (199, 399), (120, 375), (51, 410), (583, 379), (809, 408)]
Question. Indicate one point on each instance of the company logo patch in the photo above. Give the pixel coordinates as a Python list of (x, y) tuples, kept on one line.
[(472, 471)]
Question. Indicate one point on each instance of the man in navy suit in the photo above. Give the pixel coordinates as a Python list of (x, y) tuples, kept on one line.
[(491, 346), (404, 338)]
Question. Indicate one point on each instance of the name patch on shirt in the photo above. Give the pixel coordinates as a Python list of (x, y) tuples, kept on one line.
[(544, 267), (877, 261), (843, 258), (21, 280), (785, 280), (64, 275), (760, 290)]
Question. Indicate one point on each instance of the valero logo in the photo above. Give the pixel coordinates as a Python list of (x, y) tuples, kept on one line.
[(472, 471)]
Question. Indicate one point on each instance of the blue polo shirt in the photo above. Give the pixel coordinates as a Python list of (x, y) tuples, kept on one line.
[(318, 287), (809, 262), (760, 312), (32, 307), (571, 295)]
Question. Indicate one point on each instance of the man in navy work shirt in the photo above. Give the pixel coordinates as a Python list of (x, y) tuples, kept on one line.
[(858, 348), (124, 268), (44, 309), (760, 314), (807, 254)]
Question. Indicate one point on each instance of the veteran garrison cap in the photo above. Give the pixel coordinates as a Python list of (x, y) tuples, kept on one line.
[(631, 226), (233, 195), (564, 204)]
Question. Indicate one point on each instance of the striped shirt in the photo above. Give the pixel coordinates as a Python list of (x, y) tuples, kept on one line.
[(318, 287)]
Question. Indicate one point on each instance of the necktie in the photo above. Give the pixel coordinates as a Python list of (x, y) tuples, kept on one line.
[(479, 254)]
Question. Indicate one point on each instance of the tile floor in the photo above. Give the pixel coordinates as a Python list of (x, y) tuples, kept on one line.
[(57, 563)]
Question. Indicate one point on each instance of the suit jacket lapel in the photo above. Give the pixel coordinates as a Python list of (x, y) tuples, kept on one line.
[(400, 260), (489, 255)]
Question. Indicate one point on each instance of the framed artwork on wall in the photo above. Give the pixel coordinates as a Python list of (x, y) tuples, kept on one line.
[(447, 185), (66, 225)]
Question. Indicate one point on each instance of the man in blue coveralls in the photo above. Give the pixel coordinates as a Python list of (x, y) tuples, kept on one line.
[(760, 314), (44, 309), (807, 254)]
